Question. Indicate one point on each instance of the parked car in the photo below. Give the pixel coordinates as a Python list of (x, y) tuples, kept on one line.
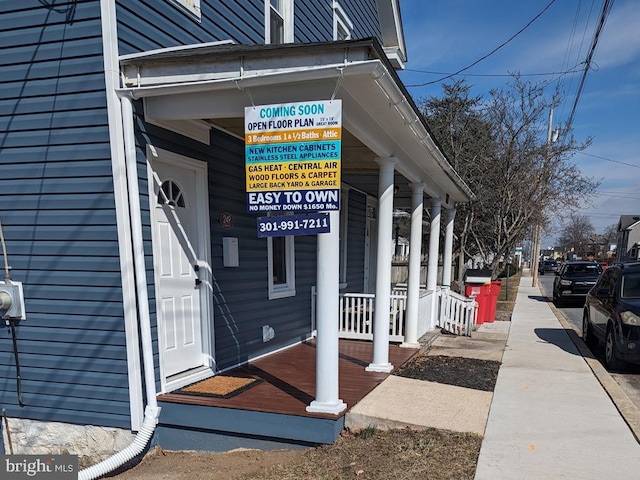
[(612, 314), (547, 266), (573, 280)]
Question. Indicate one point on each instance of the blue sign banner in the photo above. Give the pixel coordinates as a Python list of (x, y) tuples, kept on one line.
[(285, 225)]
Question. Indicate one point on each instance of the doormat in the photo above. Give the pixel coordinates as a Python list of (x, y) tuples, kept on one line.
[(220, 386)]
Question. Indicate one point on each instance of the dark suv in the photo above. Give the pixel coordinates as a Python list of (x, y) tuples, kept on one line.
[(612, 314), (573, 281), (547, 266)]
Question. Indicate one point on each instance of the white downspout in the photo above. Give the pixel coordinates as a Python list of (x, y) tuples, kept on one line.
[(152, 411)]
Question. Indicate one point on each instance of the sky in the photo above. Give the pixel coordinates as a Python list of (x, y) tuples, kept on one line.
[(444, 36)]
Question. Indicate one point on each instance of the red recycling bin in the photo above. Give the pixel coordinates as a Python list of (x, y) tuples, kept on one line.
[(482, 295), (493, 300)]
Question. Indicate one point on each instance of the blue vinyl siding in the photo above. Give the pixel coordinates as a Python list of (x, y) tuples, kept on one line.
[(356, 231), (148, 25), (241, 304), (314, 19), (58, 213)]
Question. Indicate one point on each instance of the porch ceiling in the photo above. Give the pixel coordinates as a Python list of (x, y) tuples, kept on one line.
[(216, 83)]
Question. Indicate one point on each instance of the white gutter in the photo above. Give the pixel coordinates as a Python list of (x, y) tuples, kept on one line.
[(414, 122), (241, 79), (138, 252)]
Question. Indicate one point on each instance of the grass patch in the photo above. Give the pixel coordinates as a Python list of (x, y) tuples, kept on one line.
[(397, 454), (506, 303)]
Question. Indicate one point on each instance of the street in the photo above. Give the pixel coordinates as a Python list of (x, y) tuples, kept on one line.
[(629, 379)]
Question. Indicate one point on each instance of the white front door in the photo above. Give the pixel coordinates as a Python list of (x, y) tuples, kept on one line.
[(178, 236)]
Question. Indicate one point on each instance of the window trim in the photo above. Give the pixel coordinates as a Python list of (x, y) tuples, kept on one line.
[(286, 13), (341, 21), (288, 289), (191, 7)]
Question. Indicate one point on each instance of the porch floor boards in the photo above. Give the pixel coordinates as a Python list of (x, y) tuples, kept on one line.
[(289, 379)]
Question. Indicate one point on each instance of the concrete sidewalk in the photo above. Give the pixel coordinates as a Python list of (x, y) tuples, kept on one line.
[(551, 415), (432, 404), (550, 418)]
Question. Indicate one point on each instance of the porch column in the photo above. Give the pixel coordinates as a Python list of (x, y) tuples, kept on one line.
[(415, 253), (434, 244), (448, 249), (432, 264), (327, 305), (380, 361)]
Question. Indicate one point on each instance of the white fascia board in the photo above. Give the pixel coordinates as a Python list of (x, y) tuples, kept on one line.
[(633, 226), (414, 123), (241, 80), (213, 68)]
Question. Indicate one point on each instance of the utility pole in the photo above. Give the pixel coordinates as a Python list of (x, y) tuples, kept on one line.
[(538, 227)]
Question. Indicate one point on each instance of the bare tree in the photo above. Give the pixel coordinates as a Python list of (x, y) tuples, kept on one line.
[(577, 235), (501, 149)]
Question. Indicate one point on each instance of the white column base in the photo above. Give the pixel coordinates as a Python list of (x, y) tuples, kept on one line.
[(333, 408), (384, 368), (409, 345)]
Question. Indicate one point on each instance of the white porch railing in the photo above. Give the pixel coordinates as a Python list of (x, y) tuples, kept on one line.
[(454, 313), (356, 315), (457, 313)]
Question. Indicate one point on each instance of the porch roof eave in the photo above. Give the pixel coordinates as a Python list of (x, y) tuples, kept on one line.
[(218, 82)]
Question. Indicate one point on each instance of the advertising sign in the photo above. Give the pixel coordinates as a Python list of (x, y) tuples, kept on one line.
[(292, 156)]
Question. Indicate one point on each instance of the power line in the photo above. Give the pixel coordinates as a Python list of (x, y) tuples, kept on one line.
[(567, 58), (544, 74), (490, 53), (610, 160), (613, 195), (606, 9)]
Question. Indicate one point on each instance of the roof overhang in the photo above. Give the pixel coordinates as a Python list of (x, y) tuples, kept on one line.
[(392, 32), (216, 82)]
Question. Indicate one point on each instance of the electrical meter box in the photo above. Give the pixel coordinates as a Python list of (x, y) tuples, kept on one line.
[(14, 290)]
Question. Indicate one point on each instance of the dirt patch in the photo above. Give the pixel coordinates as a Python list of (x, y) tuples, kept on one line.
[(371, 454), (458, 371), (236, 465)]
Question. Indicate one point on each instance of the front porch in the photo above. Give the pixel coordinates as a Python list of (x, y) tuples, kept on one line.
[(273, 413)]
